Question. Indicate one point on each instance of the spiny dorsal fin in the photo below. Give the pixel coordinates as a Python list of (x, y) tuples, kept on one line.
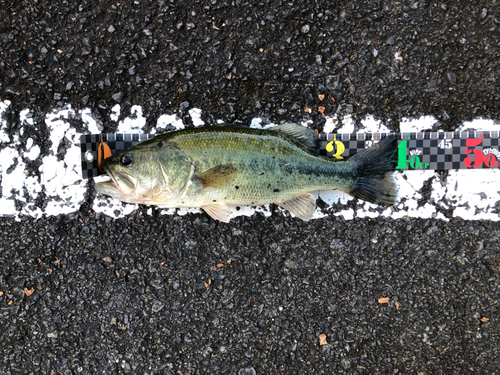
[(218, 176), (302, 206), (303, 135)]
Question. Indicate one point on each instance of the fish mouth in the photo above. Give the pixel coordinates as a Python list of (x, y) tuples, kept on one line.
[(119, 180)]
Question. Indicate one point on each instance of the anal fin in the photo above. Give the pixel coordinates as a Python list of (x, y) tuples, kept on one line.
[(218, 211), (302, 206)]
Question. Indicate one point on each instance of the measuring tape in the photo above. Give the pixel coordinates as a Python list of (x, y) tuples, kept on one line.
[(416, 151)]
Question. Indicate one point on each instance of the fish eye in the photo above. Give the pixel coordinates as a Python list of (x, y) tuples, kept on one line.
[(126, 160)]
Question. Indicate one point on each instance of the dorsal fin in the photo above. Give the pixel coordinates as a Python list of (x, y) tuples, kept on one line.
[(303, 135)]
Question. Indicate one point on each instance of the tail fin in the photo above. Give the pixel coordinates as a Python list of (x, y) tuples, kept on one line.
[(375, 167)]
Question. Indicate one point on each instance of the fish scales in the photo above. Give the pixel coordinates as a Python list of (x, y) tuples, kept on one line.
[(269, 167)]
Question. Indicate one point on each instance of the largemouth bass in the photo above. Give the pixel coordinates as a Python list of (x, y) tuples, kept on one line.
[(220, 167)]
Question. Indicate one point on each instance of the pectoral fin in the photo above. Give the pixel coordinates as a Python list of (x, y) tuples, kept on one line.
[(302, 206), (216, 177), (218, 211)]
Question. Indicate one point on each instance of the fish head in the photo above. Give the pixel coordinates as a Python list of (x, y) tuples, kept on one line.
[(146, 174)]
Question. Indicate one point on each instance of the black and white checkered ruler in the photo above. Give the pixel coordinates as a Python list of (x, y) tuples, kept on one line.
[(426, 150), (416, 151)]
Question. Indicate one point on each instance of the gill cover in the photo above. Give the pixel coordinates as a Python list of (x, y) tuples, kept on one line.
[(148, 173)]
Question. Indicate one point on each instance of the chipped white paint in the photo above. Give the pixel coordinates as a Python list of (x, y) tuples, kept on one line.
[(4, 137), (408, 125), (346, 123), (89, 121), (256, 123), (370, 124), (31, 152), (134, 123), (165, 120), (58, 176), (115, 112), (61, 179), (195, 114)]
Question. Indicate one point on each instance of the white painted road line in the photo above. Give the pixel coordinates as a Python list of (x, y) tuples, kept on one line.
[(469, 194)]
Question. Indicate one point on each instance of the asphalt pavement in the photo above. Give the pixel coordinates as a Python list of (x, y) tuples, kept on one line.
[(152, 293)]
